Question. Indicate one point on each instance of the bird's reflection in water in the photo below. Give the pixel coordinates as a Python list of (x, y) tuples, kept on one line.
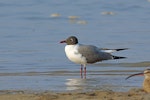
[(75, 84)]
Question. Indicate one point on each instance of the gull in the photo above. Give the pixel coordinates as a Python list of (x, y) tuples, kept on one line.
[(87, 54)]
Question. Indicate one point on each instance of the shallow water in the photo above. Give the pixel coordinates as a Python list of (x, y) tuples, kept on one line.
[(32, 58)]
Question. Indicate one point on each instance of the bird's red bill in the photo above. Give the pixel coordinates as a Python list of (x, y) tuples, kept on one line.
[(63, 41)]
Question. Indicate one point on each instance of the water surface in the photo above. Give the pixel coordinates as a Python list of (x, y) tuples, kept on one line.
[(32, 58)]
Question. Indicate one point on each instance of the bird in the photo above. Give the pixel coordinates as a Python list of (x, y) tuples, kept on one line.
[(146, 82), (87, 54)]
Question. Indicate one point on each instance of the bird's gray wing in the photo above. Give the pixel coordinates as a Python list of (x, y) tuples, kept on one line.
[(93, 54)]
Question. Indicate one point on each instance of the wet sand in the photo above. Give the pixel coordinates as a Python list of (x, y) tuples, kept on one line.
[(133, 94)]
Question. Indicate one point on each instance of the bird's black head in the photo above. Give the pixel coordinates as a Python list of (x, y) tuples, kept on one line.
[(72, 40)]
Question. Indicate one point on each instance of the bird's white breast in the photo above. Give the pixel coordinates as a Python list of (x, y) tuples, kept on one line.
[(73, 54)]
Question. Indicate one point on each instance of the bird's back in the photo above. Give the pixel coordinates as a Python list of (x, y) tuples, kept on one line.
[(93, 54)]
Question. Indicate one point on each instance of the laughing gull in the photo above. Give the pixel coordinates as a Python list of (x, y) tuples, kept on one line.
[(87, 54), (146, 83)]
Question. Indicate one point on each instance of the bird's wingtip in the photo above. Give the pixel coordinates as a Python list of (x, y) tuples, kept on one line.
[(118, 57), (122, 49)]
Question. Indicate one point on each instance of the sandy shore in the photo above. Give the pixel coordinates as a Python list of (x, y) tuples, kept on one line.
[(92, 95)]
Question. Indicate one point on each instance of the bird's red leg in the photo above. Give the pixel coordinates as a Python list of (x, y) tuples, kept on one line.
[(85, 72), (81, 70)]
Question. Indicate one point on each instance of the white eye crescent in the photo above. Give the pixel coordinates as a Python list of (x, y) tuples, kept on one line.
[(71, 39)]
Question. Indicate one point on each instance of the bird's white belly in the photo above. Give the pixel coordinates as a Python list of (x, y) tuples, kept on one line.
[(73, 54)]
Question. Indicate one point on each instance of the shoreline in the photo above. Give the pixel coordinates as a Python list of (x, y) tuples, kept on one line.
[(133, 94)]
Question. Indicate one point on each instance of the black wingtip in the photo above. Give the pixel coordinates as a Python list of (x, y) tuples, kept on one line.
[(122, 49), (116, 57)]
